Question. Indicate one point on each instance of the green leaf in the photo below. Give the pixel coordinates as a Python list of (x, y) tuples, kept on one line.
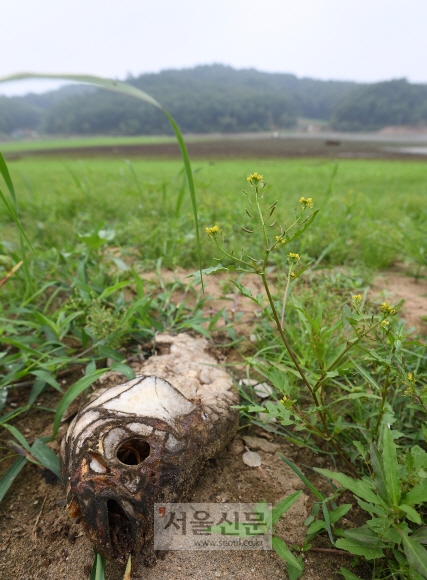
[(339, 512), (264, 515), (3, 398), (207, 272), (316, 527), (36, 390), (390, 467), (327, 521), (417, 495), (18, 436), (366, 376), (11, 209), (98, 568), (411, 514), (124, 369), (48, 378), (379, 474), (415, 553), (107, 352), (420, 535), (353, 396), (305, 226), (112, 289), (303, 478), (78, 388), (360, 488), (348, 575), (46, 457), (295, 573), (359, 549), (365, 535), (7, 479), (372, 509), (284, 505), (278, 379), (284, 552)]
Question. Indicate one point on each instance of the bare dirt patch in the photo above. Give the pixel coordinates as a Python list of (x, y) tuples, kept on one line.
[(244, 147), (398, 283)]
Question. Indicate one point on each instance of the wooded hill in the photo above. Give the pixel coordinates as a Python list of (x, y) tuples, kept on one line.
[(217, 99)]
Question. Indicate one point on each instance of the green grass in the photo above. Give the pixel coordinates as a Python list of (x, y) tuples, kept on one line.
[(78, 142), (96, 224), (363, 209)]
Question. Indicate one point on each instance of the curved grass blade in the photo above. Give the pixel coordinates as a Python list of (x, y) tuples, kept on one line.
[(130, 91), (78, 388), (284, 552), (303, 478), (11, 209), (47, 457), (8, 478), (284, 505)]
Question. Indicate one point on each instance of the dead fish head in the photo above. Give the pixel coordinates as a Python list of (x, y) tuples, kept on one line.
[(138, 443)]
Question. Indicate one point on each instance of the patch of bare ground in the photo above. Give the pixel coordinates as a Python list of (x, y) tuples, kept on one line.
[(397, 283), (38, 540)]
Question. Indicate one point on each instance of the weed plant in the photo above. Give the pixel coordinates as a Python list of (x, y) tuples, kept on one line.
[(350, 386)]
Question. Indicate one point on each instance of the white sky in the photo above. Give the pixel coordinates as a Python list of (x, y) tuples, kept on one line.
[(363, 40)]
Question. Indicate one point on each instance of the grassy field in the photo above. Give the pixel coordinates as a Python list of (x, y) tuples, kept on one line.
[(367, 207), (78, 142), (82, 302)]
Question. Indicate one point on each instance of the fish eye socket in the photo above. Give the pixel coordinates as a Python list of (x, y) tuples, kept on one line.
[(133, 452)]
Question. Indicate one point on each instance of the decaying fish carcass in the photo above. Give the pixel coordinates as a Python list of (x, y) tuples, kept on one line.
[(146, 441)]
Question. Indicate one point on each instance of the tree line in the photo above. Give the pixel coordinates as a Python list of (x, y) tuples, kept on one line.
[(217, 99)]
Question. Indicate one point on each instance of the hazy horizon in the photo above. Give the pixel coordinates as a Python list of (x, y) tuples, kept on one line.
[(365, 41), (44, 86)]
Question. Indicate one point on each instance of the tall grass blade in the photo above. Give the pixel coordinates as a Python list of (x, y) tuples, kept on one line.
[(302, 477), (130, 91), (8, 478), (47, 457), (78, 388)]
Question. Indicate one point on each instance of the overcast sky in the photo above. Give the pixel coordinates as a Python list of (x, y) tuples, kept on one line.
[(362, 40)]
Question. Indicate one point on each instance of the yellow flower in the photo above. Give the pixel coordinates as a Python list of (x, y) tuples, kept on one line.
[(293, 275), (280, 240), (284, 400), (387, 308), (213, 230), (411, 377), (293, 256), (385, 323), (254, 178), (306, 202), (357, 297)]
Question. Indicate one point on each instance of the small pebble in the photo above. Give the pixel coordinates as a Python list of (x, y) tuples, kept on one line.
[(263, 390), (251, 459)]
